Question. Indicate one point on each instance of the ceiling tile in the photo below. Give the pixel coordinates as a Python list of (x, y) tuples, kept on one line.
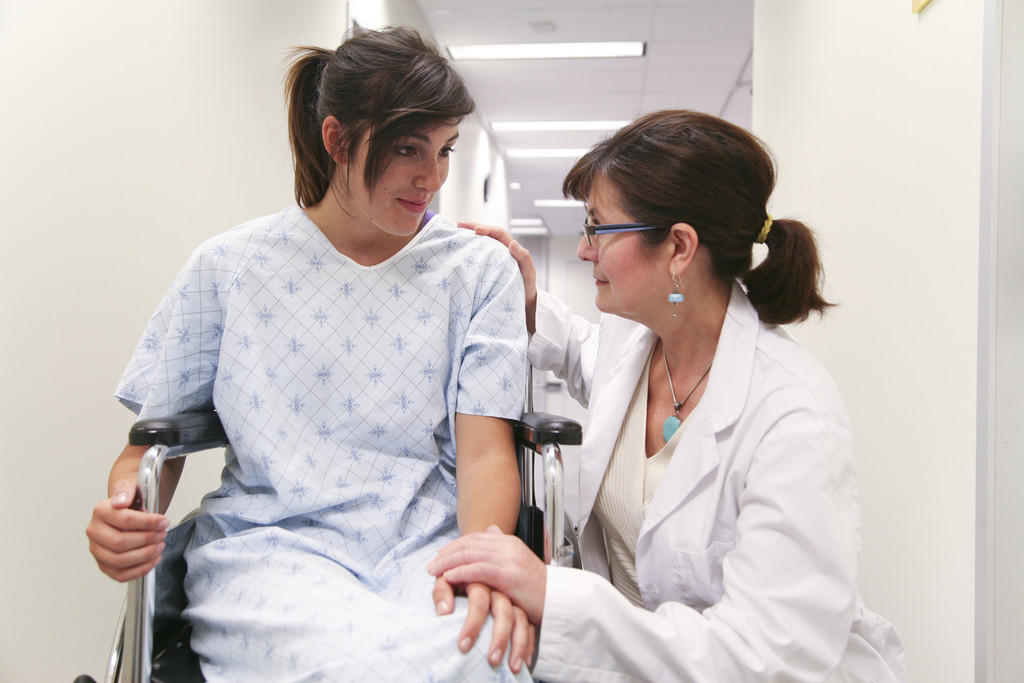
[(697, 50), (730, 54), (488, 25), (715, 21)]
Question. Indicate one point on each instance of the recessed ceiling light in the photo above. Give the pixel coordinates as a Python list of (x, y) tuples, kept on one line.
[(546, 153), (556, 203), (548, 50), (515, 185), (532, 126)]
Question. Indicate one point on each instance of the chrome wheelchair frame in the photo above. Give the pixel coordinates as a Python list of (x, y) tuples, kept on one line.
[(140, 654)]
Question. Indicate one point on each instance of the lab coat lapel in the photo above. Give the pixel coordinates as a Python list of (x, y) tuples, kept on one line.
[(625, 347), (696, 455)]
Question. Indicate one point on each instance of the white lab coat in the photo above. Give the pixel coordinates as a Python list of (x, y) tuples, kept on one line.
[(747, 557)]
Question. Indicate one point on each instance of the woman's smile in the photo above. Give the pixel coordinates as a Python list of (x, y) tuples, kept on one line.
[(416, 207)]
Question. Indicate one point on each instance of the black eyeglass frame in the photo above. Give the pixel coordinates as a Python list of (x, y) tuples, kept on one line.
[(590, 230)]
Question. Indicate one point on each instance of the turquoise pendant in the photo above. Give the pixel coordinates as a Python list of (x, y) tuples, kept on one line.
[(669, 428)]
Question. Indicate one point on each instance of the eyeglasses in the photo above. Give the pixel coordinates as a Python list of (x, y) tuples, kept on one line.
[(590, 230)]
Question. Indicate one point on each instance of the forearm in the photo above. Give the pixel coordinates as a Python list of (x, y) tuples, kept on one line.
[(489, 493)]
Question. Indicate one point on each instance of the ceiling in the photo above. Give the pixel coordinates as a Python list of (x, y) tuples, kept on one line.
[(697, 57)]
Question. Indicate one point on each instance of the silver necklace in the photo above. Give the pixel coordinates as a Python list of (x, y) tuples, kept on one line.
[(672, 421)]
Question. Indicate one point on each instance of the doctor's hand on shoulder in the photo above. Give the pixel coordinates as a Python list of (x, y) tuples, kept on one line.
[(522, 256)]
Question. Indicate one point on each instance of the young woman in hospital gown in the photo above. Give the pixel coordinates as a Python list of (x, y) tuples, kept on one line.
[(364, 357), (719, 504)]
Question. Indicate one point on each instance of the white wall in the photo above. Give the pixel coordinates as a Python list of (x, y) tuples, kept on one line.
[(1000, 529), (474, 161), (130, 132), (874, 115), (380, 13)]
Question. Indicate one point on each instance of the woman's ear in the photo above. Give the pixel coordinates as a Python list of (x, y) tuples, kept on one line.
[(331, 131), (683, 240)]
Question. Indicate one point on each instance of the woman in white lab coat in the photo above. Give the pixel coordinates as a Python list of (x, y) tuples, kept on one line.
[(719, 519)]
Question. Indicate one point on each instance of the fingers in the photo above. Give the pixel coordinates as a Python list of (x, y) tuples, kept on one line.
[(520, 253), (501, 562), (501, 632), (522, 256), (125, 543), (479, 607), (122, 494), (479, 572), (444, 596), (492, 231), (478, 547), (124, 555), (127, 566), (524, 637), (526, 267), (511, 626), (476, 558)]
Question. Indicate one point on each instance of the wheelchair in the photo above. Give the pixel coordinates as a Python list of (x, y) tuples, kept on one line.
[(152, 638)]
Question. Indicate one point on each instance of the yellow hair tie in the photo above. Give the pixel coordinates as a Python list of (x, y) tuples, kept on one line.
[(765, 229)]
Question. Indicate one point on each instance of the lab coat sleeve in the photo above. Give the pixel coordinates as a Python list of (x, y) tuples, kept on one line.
[(565, 344), (788, 584)]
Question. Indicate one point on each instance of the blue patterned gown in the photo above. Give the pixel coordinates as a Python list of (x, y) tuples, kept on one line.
[(338, 385)]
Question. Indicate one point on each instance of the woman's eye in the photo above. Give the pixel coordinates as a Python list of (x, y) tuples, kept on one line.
[(446, 151), (406, 151)]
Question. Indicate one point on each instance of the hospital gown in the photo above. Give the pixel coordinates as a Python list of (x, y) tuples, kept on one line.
[(338, 386)]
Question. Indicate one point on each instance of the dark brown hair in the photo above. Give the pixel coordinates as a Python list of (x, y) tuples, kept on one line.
[(387, 84), (680, 166)]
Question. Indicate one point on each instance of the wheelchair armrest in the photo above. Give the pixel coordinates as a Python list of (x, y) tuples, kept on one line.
[(537, 429), (186, 433), (543, 434)]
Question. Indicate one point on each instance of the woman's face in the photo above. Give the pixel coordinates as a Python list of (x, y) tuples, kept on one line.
[(632, 282), (408, 185)]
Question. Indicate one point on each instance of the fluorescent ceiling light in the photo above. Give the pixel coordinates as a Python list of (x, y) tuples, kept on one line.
[(525, 222), (532, 126), (549, 153), (540, 231), (515, 185), (548, 50), (556, 203)]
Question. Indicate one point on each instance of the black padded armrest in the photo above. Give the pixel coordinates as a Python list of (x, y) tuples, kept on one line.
[(540, 428), (192, 431)]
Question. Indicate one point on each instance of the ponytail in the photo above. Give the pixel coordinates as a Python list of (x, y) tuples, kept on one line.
[(312, 163), (786, 286)]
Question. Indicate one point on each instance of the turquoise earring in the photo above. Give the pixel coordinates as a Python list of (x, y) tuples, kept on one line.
[(676, 296)]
